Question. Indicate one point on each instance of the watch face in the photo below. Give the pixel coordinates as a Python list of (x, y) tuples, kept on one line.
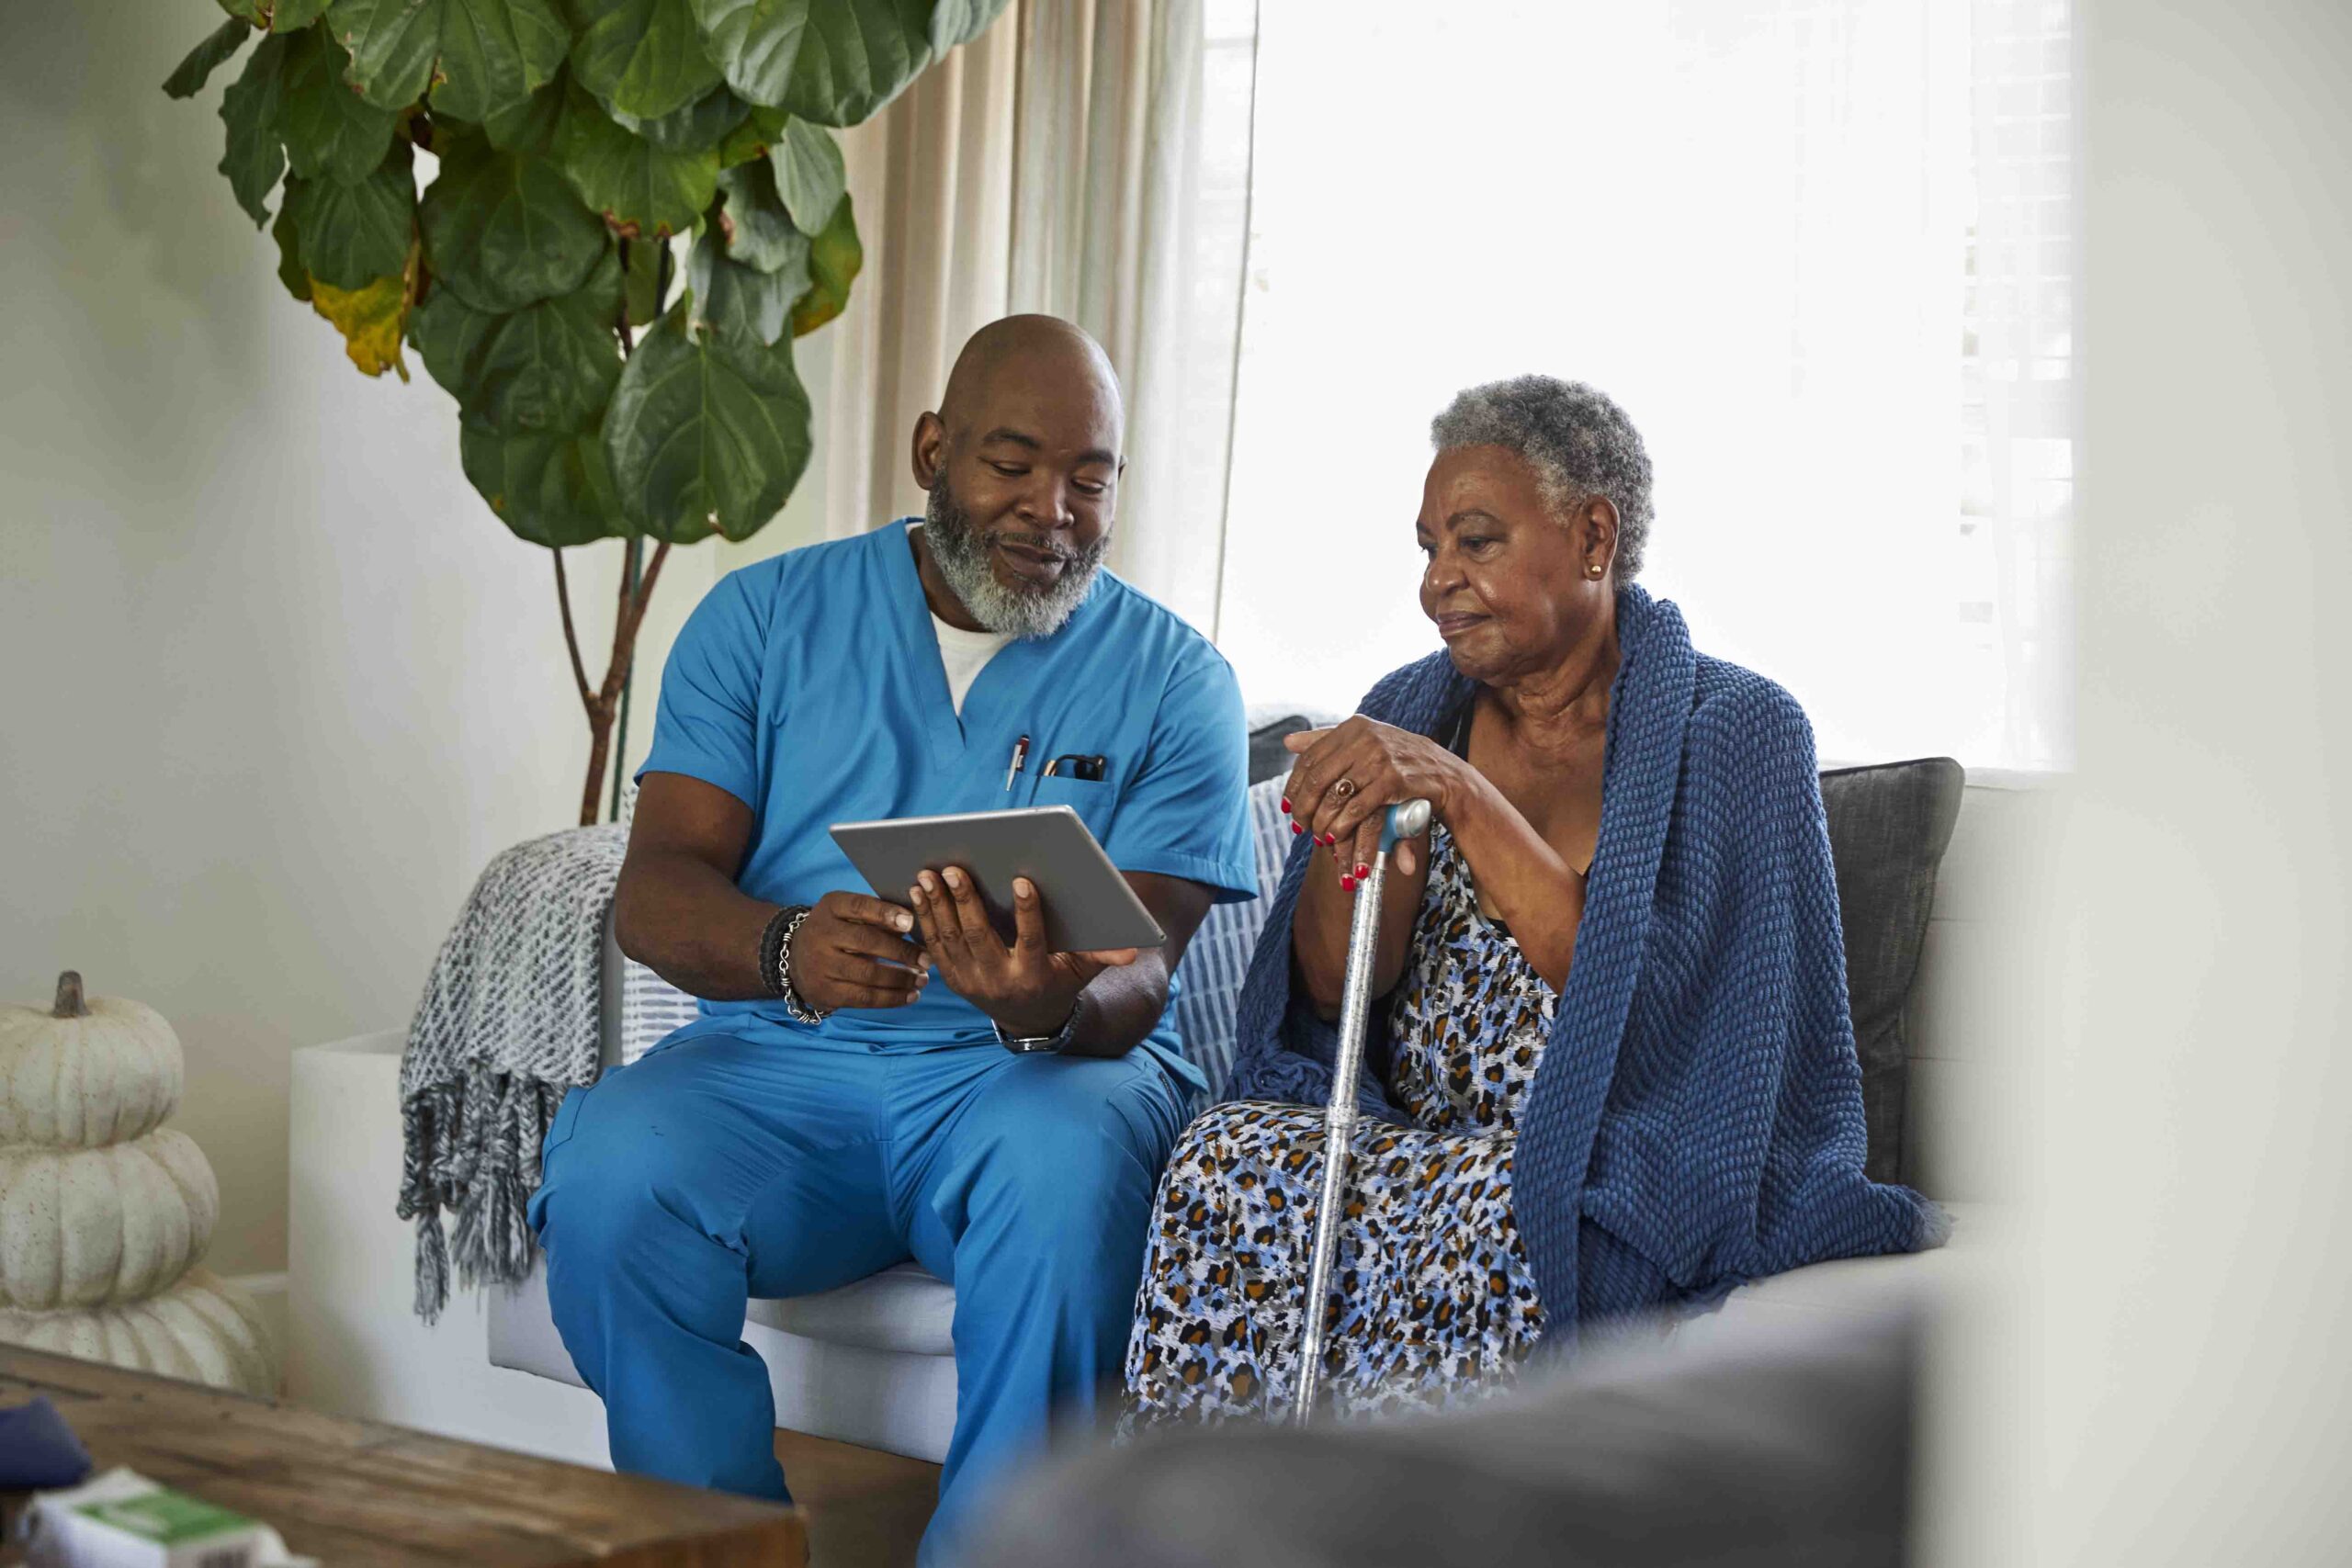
[(1035, 1044)]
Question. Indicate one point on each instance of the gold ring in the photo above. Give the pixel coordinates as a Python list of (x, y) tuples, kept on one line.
[(1344, 788)]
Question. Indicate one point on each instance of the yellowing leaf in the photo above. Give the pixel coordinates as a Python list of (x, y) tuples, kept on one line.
[(371, 318)]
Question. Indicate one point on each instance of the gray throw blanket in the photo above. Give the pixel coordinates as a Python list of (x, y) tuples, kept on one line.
[(508, 1025)]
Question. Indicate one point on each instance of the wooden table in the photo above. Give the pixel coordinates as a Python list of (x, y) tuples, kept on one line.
[(358, 1495)]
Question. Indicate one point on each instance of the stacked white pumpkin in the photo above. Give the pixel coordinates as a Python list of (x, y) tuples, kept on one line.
[(104, 1212)]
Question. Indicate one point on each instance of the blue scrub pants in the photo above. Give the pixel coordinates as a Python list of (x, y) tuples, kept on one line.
[(739, 1159)]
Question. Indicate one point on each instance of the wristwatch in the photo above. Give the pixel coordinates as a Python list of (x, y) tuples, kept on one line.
[(1038, 1044)]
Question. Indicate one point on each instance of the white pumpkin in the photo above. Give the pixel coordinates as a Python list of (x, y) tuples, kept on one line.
[(92, 1227), (204, 1329), (81, 1073)]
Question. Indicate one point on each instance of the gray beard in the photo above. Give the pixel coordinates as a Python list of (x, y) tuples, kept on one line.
[(962, 559)]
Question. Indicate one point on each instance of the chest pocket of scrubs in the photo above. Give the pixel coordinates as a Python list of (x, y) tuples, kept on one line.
[(1091, 798)]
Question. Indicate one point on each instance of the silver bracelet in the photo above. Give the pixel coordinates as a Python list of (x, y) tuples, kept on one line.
[(801, 1010)]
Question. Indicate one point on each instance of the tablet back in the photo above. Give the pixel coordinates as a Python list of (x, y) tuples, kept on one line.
[(1088, 906)]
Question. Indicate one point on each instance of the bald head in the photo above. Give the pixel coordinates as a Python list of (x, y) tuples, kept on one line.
[(1038, 351)]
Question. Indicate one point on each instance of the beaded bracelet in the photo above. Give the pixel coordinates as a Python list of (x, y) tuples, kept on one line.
[(776, 963)]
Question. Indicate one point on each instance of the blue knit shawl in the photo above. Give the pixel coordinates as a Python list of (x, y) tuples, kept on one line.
[(1696, 1121)]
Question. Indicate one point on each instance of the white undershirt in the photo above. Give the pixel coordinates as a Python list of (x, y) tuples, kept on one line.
[(964, 654)]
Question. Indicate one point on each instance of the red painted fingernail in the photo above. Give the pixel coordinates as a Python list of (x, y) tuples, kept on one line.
[(1362, 871), (1286, 806), (1330, 839), (1296, 828), (1347, 882)]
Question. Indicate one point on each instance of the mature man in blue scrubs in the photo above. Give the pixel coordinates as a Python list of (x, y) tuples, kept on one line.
[(835, 1108)]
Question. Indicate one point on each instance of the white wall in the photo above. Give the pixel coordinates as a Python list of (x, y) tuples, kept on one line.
[(2170, 1381), (274, 684)]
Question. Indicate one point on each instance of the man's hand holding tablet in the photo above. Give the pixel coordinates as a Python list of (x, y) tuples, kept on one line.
[(852, 952), (976, 883), (1029, 990)]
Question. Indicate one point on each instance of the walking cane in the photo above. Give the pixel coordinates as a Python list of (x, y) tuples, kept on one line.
[(1406, 819)]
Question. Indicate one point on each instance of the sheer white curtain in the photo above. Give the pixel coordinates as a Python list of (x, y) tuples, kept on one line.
[(1816, 248), (1082, 157)]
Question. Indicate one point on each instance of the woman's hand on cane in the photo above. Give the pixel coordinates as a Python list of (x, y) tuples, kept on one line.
[(1347, 776)]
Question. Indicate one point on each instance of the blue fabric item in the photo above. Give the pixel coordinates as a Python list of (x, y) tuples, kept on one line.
[(736, 1160), (1696, 1120), (809, 686), (38, 1450)]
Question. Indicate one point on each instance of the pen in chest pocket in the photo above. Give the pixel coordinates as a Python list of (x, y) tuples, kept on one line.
[(1019, 755)]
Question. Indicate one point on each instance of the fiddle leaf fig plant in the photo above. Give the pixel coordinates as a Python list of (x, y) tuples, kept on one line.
[(598, 223)]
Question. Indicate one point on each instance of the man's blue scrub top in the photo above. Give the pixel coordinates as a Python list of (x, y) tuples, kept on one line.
[(809, 686)]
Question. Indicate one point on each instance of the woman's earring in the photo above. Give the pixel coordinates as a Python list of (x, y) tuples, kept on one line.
[(1592, 572)]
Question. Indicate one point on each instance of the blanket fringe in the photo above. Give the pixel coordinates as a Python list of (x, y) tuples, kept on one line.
[(472, 1152)]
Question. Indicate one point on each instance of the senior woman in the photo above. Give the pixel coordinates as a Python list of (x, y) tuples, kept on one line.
[(1615, 1063)]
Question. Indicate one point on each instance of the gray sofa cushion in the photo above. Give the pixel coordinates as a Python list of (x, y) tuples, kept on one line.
[(1777, 1443), (1888, 827), (1268, 755)]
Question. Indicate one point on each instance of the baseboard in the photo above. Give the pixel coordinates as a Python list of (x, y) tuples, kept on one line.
[(268, 1291)]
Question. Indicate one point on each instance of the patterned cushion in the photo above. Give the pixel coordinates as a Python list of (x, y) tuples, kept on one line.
[(1218, 960), (651, 1009)]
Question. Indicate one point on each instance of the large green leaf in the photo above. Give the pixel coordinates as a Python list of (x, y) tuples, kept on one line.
[(640, 188), (705, 123), (548, 366), (644, 58), (289, 255), (504, 229), (834, 257), (529, 126), (249, 109), (330, 132), (835, 62), (961, 21), (353, 234), (645, 283), (550, 488), (758, 229), (487, 55), (706, 430), (746, 141), (809, 175), (738, 300), (449, 333), (188, 77)]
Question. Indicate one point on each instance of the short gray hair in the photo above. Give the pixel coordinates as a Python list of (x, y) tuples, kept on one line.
[(1579, 442)]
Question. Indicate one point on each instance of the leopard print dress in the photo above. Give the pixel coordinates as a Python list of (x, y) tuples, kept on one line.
[(1434, 1302)]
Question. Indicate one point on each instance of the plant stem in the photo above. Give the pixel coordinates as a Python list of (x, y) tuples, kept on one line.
[(570, 637), (69, 996), (628, 681), (605, 703)]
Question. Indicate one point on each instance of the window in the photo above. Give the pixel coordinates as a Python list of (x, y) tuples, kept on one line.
[(1820, 251)]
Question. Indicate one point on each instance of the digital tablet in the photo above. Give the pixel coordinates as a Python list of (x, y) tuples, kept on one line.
[(1088, 906)]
